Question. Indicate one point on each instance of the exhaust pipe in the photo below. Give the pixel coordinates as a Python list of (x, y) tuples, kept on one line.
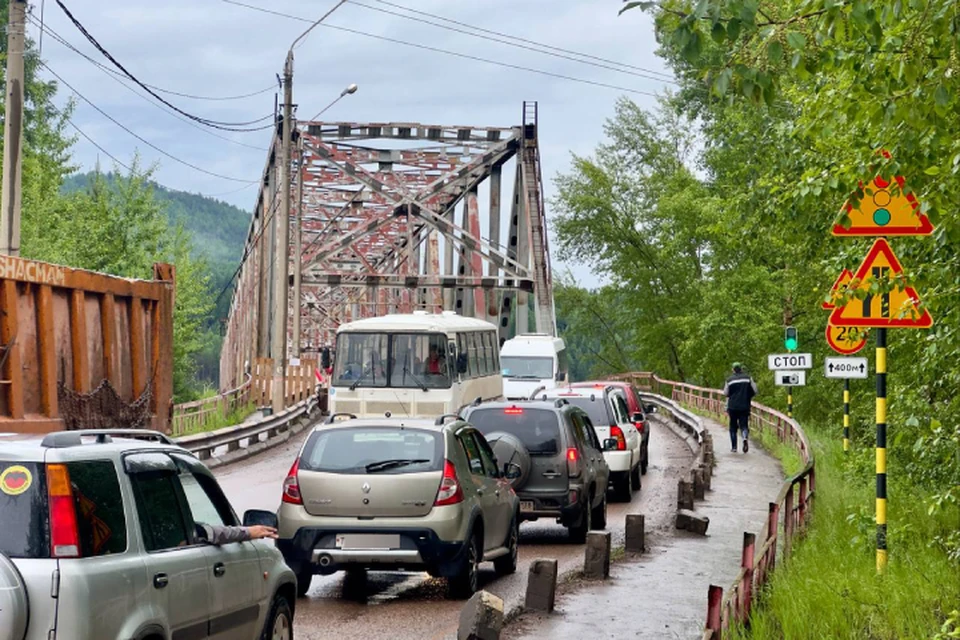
[(325, 560)]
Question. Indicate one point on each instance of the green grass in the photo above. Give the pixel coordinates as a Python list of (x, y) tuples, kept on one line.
[(830, 589), (216, 421)]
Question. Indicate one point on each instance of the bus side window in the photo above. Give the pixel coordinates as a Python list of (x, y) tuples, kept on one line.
[(463, 355), (472, 339), (486, 362), (562, 366), (495, 341)]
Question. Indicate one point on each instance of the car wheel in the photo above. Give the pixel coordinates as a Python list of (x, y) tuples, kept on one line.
[(508, 564), (635, 478), (304, 576), (280, 621), (645, 458), (600, 514), (621, 487), (464, 584), (578, 532)]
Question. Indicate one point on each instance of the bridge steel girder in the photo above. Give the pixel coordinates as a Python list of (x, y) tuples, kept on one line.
[(374, 203)]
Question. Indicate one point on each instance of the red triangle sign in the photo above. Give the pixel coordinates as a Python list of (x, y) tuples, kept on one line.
[(896, 309)]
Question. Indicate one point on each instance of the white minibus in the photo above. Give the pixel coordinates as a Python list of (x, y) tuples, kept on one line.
[(532, 362)]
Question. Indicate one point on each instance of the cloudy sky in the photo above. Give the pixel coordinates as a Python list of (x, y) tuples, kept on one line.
[(213, 48)]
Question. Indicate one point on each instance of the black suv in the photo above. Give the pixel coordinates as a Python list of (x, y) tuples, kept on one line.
[(562, 471)]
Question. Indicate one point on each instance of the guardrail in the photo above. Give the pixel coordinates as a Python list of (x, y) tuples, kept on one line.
[(191, 416), (789, 513), (231, 444)]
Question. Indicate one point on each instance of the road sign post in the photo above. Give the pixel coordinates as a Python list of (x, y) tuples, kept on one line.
[(881, 449), (846, 415)]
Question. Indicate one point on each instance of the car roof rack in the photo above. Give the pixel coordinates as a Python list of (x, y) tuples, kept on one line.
[(64, 439), (560, 402), (333, 417), (443, 419)]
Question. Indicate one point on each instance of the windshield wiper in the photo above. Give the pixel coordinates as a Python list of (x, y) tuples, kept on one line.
[(383, 465), (526, 376), (354, 386), (423, 387)]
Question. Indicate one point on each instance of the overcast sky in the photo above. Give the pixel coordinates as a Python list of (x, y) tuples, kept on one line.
[(212, 48)]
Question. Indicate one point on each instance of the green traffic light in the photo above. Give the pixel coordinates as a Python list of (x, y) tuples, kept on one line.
[(790, 340), (791, 344)]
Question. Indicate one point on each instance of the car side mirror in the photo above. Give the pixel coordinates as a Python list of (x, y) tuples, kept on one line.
[(255, 517), (561, 376), (637, 417), (610, 444), (512, 471), (650, 408)]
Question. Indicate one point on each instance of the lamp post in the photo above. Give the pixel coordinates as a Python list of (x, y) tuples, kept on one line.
[(298, 237), (278, 346)]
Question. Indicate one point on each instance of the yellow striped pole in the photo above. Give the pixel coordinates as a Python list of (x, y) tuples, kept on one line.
[(846, 415), (789, 402), (881, 450)]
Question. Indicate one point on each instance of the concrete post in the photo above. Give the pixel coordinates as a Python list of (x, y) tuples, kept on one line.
[(481, 618), (684, 495), (691, 522), (282, 268), (699, 488), (596, 561), (635, 537), (541, 586), (10, 192), (297, 249)]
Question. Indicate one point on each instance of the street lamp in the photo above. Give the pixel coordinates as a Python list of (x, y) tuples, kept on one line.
[(298, 238), (278, 345)]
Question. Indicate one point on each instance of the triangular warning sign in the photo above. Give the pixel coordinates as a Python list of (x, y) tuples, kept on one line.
[(885, 211), (896, 309), (837, 289)]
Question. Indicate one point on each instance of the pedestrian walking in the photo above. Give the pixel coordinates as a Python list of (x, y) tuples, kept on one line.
[(740, 390)]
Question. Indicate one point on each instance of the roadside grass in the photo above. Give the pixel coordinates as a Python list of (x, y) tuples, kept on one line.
[(830, 588), (216, 421), (788, 455)]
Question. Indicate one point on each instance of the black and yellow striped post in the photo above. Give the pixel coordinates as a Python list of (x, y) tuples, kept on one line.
[(846, 415), (881, 449), (789, 402)]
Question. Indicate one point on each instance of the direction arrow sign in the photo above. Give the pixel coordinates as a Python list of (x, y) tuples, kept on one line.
[(837, 289), (846, 368), (790, 378), (790, 361), (896, 309), (885, 211)]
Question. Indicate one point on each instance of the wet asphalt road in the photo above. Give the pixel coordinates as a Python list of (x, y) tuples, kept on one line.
[(396, 606)]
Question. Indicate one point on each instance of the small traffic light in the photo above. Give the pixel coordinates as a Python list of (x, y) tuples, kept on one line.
[(790, 339)]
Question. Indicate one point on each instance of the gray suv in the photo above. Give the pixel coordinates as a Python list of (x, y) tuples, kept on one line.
[(102, 540), (562, 471), (399, 494)]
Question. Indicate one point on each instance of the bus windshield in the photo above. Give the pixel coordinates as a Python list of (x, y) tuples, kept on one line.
[(399, 360)]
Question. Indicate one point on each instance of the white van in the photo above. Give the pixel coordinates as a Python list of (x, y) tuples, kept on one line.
[(532, 362)]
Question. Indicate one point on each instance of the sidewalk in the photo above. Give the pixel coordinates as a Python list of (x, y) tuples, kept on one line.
[(663, 593)]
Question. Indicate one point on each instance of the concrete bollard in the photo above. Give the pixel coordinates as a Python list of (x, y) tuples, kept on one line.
[(699, 487), (684, 495), (481, 617), (691, 522), (596, 561), (707, 476), (634, 541), (541, 585)]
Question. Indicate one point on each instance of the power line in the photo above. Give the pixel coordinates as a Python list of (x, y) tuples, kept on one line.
[(228, 126), (116, 77), (136, 135), (666, 76), (537, 48), (446, 51)]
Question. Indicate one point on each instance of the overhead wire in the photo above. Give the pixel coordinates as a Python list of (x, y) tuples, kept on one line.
[(138, 136), (216, 124), (445, 51), (116, 77), (506, 40), (666, 75)]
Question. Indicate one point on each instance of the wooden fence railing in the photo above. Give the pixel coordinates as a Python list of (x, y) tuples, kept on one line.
[(192, 416), (786, 517)]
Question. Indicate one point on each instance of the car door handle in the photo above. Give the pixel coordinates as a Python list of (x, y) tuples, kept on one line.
[(219, 569), (160, 581)]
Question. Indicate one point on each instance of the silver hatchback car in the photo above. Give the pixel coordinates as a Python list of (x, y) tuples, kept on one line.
[(399, 494), (101, 540)]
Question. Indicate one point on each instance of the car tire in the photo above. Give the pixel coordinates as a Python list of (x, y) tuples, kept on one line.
[(304, 577), (600, 514), (505, 565), (635, 482), (466, 582), (621, 487), (578, 532), (280, 620), (645, 458)]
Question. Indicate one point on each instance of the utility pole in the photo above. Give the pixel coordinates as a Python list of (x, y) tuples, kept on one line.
[(297, 246), (278, 347), (13, 131)]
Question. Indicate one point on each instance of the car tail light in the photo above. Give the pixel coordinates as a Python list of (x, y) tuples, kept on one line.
[(639, 426), (449, 491), (513, 411), (64, 534), (573, 462), (617, 432), (291, 485)]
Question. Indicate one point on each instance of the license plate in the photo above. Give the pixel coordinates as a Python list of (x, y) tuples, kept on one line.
[(367, 541), (526, 505)]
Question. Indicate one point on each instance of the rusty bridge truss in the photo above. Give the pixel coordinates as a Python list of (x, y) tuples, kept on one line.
[(374, 229)]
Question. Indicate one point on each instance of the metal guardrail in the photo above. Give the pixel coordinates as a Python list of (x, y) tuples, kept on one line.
[(788, 514), (242, 441)]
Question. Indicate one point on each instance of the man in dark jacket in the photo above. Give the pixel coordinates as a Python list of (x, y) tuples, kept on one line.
[(740, 390)]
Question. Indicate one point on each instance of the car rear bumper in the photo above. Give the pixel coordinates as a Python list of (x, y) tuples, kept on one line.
[(418, 549), (554, 505)]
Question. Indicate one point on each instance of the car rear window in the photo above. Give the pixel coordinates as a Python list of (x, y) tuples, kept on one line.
[(596, 408), (379, 450), (23, 503), (538, 429)]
